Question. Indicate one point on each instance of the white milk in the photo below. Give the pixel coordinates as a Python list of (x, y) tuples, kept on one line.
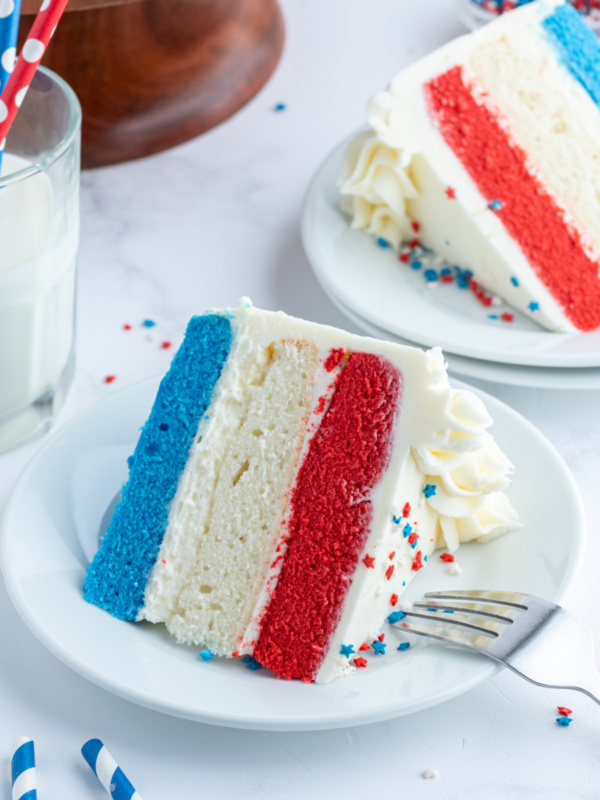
[(37, 294)]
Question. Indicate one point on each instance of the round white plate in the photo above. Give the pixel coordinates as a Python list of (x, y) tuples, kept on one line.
[(371, 282), (512, 374), (50, 533)]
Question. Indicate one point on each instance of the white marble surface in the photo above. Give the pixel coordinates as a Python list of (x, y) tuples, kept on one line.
[(199, 226)]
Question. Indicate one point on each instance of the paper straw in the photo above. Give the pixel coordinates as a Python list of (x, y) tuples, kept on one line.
[(10, 14), (22, 765), (108, 771), (28, 61)]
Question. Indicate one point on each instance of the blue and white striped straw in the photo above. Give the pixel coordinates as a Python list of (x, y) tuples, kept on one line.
[(108, 771), (10, 13), (22, 767)]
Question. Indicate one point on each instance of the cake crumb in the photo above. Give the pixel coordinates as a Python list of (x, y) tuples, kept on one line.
[(431, 773)]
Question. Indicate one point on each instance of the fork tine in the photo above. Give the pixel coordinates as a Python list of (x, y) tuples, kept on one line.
[(478, 609), (514, 599), (485, 626), (463, 637)]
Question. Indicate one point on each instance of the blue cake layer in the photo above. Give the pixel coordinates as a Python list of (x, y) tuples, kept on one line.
[(116, 579), (577, 46)]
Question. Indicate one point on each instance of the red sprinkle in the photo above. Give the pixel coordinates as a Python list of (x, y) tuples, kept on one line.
[(360, 662), (447, 278), (507, 317), (416, 226), (126, 327), (394, 599), (447, 557), (364, 646), (450, 193), (404, 257), (369, 562), (236, 654), (166, 345), (418, 562), (333, 359), (109, 378), (164, 562), (389, 571), (381, 637), (391, 555), (406, 510), (413, 538), (564, 712), (414, 243)]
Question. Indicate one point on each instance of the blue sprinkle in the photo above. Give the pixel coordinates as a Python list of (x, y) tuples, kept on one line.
[(446, 271), (414, 544), (206, 655), (448, 611), (148, 323), (396, 616), (250, 662), (514, 281), (493, 316), (416, 264), (564, 721), (382, 242), (379, 647), (533, 306), (280, 107), (429, 490), (347, 650), (404, 646), (396, 520), (206, 416), (431, 275), (496, 205), (424, 558), (403, 583), (462, 282), (407, 530), (432, 609)]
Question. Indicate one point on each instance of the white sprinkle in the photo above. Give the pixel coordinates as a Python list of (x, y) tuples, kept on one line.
[(454, 568), (151, 337), (431, 773)]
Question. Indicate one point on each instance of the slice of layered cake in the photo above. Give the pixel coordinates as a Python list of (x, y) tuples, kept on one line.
[(488, 150), (290, 481)]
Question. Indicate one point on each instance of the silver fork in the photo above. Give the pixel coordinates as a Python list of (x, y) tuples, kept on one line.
[(537, 639)]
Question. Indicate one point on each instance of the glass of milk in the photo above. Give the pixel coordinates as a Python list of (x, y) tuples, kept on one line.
[(39, 235)]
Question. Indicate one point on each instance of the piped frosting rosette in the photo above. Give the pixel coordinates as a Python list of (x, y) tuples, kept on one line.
[(469, 473), (375, 183)]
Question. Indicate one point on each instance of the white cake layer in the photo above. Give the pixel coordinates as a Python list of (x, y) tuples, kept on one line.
[(464, 230), (440, 439)]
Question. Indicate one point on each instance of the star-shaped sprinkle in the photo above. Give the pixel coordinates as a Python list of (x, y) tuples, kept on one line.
[(404, 646), (407, 530), (450, 193), (533, 306), (393, 599), (396, 616), (563, 711), (447, 557), (347, 650), (379, 647), (564, 721), (396, 520), (360, 662), (406, 510), (496, 205), (206, 655), (418, 562), (369, 562), (389, 571), (429, 490), (364, 646), (412, 540)]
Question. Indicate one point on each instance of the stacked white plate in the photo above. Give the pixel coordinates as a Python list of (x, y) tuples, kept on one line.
[(389, 300)]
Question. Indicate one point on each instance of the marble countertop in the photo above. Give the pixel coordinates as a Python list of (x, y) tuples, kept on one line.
[(197, 227)]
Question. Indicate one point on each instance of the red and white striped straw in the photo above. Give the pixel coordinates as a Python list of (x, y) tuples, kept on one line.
[(28, 61)]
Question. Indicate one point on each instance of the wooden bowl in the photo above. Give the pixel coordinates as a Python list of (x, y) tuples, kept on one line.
[(151, 74)]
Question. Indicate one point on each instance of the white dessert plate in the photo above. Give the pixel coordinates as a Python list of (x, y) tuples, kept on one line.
[(50, 533), (585, 378), (370, 281)]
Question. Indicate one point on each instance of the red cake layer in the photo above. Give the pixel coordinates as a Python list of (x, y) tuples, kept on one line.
[(330, 517), (529, 213)]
